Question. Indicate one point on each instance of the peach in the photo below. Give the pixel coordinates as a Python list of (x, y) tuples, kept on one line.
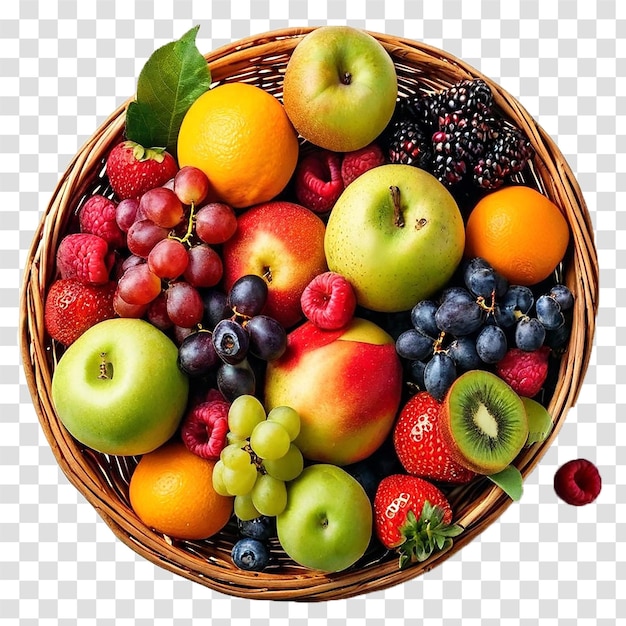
[(345, 384)]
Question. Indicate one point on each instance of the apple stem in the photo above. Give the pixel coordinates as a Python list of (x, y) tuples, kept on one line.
[(104, 369), (346, 78), (397, 207)]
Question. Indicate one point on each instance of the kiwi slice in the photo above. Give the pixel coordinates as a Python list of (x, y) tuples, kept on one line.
[(483, 422), (539, 421)]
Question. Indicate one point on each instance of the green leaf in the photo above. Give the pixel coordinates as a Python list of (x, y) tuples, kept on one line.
[(510, 481), (172, 79), (425, 535)]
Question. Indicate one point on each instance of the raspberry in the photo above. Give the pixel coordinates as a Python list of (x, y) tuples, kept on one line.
[(97, 216), (85, 257), (205, 427), (318, 181), (329, 301), (524, 371), (359, 161), (578, 482)]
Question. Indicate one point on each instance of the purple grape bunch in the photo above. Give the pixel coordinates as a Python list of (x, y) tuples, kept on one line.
[(235, 329)]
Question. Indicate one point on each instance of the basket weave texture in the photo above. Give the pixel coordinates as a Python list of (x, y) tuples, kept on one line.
[(103, 480)]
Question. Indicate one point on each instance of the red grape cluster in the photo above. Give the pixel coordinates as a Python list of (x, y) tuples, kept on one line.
[(171, 237)]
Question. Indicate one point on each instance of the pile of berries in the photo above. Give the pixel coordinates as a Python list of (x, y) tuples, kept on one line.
[(251, 551), (457, 135)]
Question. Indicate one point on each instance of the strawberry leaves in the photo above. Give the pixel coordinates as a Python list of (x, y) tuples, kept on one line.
[(425, 535), (172, 79)]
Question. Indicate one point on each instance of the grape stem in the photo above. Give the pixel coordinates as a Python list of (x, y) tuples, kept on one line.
[(482, 303), (438, 344), (190, 223), (255, 458)]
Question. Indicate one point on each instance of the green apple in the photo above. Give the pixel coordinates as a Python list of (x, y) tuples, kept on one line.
[(327, 524), (396, 233), (118, 388), (340, 88)]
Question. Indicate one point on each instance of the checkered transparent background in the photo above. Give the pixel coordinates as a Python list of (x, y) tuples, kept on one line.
[(66, 65)]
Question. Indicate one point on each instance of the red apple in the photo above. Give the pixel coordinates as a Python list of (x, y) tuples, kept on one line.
[(284, 243), (345, 384)]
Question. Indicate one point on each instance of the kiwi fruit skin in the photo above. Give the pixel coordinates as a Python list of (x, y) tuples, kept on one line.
[(539, 421), (516, 426)]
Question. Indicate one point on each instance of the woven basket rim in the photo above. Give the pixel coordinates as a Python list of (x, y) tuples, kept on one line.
[(246, 59)]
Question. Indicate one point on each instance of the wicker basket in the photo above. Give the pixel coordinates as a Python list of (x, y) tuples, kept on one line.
[(103, 480)]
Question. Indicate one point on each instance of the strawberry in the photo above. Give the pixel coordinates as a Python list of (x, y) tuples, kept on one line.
[(133, 169), (73, 306), (419, 445), (412, 516)]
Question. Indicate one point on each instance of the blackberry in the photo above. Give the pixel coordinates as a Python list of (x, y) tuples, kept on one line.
[(507, 154), (448, 170), (423, 109), (464, 97), (408, 143), (458, 143)]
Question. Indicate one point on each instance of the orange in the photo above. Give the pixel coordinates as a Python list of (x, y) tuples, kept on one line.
[(241, 138), (171, 490), (520, 232)]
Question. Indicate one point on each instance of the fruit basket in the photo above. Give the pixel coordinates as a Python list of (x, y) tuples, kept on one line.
[(103, 479)]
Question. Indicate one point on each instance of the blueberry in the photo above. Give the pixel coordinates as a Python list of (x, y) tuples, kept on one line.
[(261, 528), (250, 554)]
